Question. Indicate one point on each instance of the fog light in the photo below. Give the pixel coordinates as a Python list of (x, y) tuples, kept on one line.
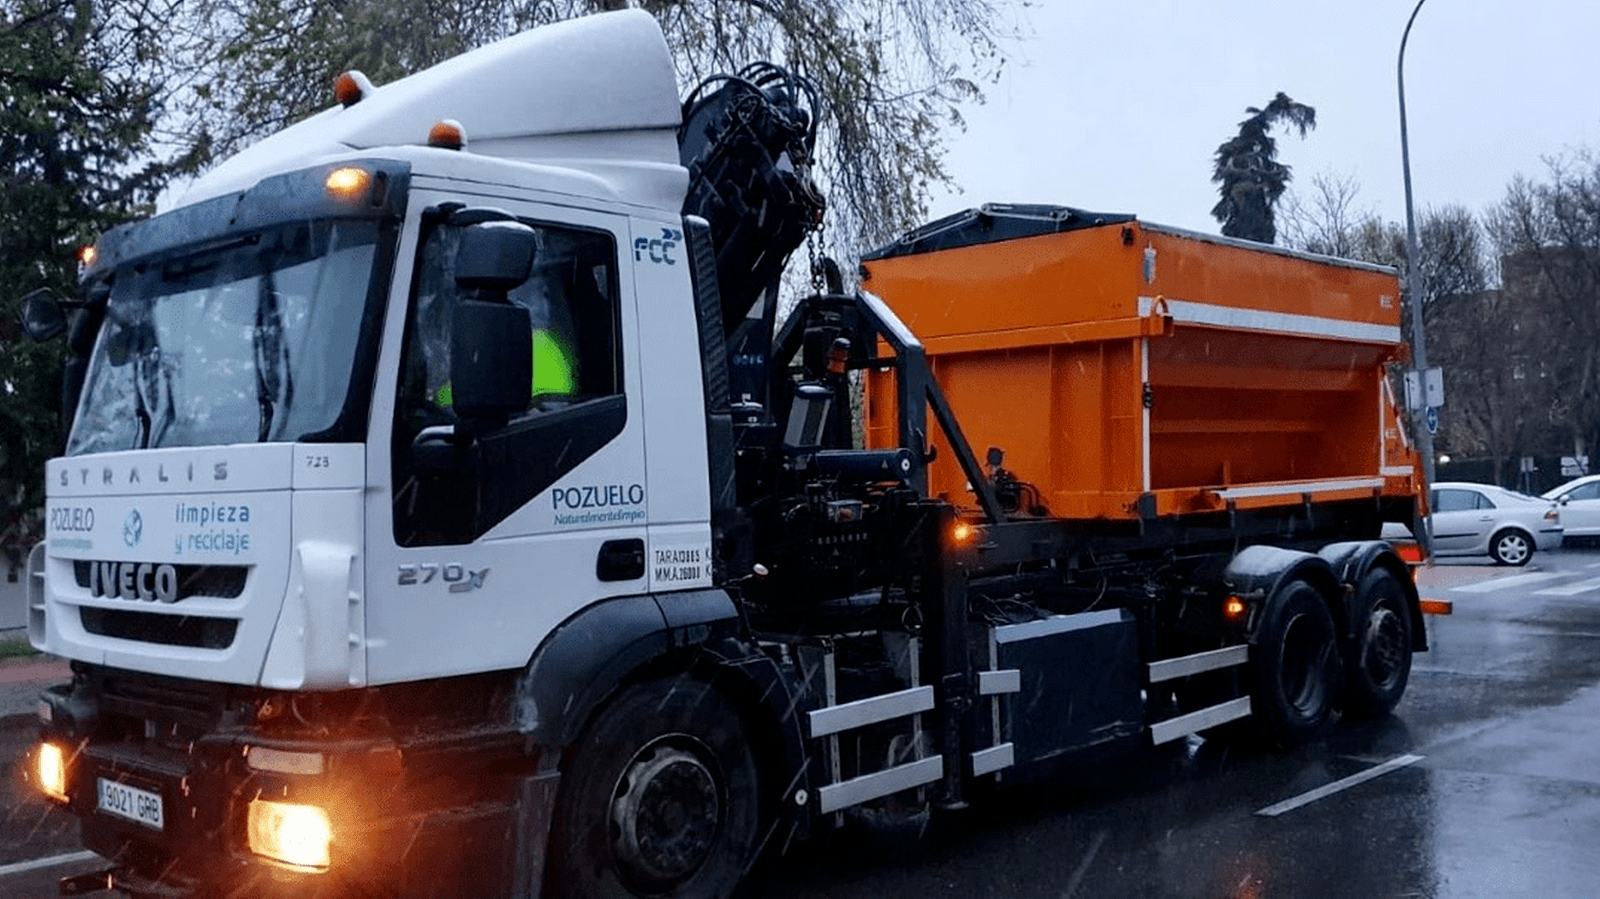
[(291, 834), (51, 767)]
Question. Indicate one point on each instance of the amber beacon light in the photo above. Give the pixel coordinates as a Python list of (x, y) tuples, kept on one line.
[(447, 134), (351, 88)]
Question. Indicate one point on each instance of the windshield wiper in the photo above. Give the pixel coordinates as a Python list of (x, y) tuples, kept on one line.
[(273, 383), (137, 347)]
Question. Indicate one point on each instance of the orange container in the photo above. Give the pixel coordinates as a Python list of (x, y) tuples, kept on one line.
[(1130, 369)]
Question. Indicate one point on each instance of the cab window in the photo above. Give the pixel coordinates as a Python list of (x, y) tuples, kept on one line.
[(453, 481), (571, 300)]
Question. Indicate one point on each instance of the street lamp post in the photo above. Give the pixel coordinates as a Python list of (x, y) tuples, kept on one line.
[(1419, 344)]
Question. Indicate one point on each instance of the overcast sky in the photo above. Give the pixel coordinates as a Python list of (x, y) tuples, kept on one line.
[(1117, 107)]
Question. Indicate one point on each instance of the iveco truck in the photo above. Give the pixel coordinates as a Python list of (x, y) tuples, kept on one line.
[(448, 511)]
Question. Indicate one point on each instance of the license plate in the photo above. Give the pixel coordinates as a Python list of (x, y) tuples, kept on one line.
[(132, 803)]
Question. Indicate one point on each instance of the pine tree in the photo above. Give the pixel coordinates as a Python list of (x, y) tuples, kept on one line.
[(1249, 175)]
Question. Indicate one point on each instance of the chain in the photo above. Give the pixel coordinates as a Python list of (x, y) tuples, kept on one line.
[(814, 258)]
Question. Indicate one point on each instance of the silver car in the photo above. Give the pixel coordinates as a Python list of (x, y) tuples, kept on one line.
[(1480, 519), (1579, 501)]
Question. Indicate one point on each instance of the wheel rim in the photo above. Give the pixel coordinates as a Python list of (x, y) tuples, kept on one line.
[(1385, 646), (666, 810), (1303, 662), (1512, 548)]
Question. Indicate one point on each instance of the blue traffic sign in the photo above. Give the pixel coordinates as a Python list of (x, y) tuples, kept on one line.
[(1431, 419)]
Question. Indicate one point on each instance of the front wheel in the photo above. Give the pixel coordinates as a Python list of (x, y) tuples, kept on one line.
[(1511, 547), (659, 798), (1296, 666), (1378, 658)]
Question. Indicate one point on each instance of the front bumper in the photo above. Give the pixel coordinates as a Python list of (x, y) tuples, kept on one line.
[(443, 821)]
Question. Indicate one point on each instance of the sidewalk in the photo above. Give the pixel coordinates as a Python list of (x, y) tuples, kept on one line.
[(21, 679)]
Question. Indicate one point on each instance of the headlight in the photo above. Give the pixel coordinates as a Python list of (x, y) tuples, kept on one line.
[(50, 769), (291, 834)]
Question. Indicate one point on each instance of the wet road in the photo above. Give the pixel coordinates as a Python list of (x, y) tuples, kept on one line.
[(1485, 783)]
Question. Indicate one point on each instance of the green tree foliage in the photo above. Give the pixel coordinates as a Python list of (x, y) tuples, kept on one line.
[(893, 75), (80, 89), (1247, 172)]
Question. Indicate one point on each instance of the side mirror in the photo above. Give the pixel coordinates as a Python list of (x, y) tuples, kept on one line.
[(491, 360), (491, 339), (42, 317), (494, 257), (436, 451)]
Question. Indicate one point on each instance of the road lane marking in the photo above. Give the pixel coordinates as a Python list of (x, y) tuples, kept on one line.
[(1519, 580), (1083, 866), (53, 861), (1289, 805), (1571, 589)]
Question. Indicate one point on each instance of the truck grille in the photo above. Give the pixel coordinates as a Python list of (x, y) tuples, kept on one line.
[(165, 629), (212, 581)]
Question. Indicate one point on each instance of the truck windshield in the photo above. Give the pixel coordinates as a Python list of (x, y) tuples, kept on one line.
[(249, 341)]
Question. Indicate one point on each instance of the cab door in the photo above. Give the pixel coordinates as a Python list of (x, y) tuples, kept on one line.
[(486, 534)]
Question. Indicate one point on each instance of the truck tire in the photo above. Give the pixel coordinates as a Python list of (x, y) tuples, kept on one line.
[(1511, 547), (659, 798), (1296, 666), (1378, 657)]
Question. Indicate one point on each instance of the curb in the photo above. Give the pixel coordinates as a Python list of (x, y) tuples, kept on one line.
[(18, 720), (44, 669), (22, 682)]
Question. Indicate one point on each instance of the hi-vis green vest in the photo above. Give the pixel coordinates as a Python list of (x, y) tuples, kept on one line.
[(552, 371), (552, 368)]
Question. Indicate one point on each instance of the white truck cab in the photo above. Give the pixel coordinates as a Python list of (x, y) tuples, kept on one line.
[(363, 417), (245, 505)]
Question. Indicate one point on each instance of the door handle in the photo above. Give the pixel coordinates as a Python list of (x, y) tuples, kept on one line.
[(620, 560)]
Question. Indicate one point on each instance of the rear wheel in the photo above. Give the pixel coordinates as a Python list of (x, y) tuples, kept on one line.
[(1378, 657), (1296, 666), (1511, 547), (659, 798)]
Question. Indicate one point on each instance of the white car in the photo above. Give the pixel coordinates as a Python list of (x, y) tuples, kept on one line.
[(1579, 501), (1481, 519)]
